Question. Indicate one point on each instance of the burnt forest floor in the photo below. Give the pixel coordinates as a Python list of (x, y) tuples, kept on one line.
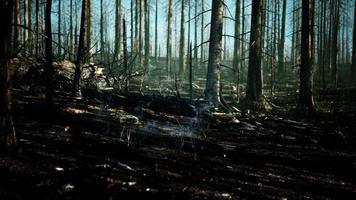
[(78, 150)]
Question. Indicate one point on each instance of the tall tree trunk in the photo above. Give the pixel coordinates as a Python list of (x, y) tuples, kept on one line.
[(136, 49), (132, 25), (156, 33), (27, 23), (196, 35), (281, 61), (169, 37), (237, 46), (89, 29), (182, 40), (242, 51), (147, 34), (7, 130), (141, 31), (117, 29), (59, 28), (37, 42), (17, 29), (254, 79), (334, 45), (49, 53), (124, 39), (353, 65), (274, 46), (306, 67), (81, 52), (190, 53), (71, 29), (212, 89), (102, 40), (202, 32)]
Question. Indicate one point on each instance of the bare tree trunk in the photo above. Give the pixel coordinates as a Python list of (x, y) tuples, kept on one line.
[(117, 29), (132, 25), (7, 130), (169, 37), (353, 65), (37, 42), (75, 28), (124, 39), (306, 68), (190, 52), (334, 45), (237, 47), (49, 54), (17, 32), (27, 23), (274, 47), (242, 51), (156, 33), (137, 5), (70, 29), (202, 32), (81, 53), (89, 30), (182, 40), (212, 89), (281, 61), (141, 31), (147, 34), (196, 35), (59, 28), (102, 41), (254, 79)]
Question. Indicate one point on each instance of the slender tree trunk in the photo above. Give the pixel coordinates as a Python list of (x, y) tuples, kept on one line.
[(70, 29), (59, 28), (182, 40), (274, 47), (334, 45), (81, 52), (17, 29), (254, 79), (196, 35), (136, 26), (189, 15), (281, 61), (141, 31), (147, 34), (132, 25), (237, 46), (37, 42), (353, 65), (7, 130), (306, 68), (169, 37), (124, 39), (212, 89), (49, 54), (242, 51), (202, 32), (156, 33), (190, 72), (75, 27), (117, 29), (89, 30), (321, 41), (102, 41), (27, 23)]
